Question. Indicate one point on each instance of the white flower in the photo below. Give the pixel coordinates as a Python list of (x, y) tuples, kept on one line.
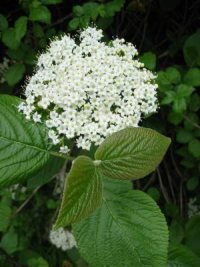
[(64, 149), (62, 239), (88, 89), (37, 117)]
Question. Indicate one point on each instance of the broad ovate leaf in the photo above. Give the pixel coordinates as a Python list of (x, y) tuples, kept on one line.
[(82, 193), (131, 153), (24, 146), (127, 230)]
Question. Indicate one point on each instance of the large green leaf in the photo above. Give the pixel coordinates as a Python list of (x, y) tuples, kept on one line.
[(82, 193), (131, 153), (24, 146), (127, 230), (49, 170), (181, 256)]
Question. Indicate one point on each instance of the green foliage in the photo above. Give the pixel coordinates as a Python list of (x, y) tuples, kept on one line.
[(41, 14), (131, 153), (20, 27), (3, 23), (114, 234), (181, 256), (82, 193), (192, 234), (28, 141), (15, 73), (94, 12), (149, 60), (191, 50)]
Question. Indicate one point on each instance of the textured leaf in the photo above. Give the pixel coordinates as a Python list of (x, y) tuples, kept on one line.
[(131, 153), (49, 170), (24, 146), (82, 193), (181, 256), (127, 230)]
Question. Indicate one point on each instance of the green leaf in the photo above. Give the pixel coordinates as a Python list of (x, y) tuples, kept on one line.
[(175, 118), (25, 145), (154, 193), (169, 98), (179, 105), (15, 73), (176, 232), (131, 153), (194, 147), (173, 75), (191, 50), (9, 241), (5, 216), (21, 27), (127, 230), (194, 102), (192, 234), (192, 77), (78, 11), (183, 136), (37, 262), (74, 23), (49, 170), (41, 14), (149, 60), (9, 38), (183, 90), (3, 23), (163, 79), (82, 193), (192, 119), (192, 183), (38, 30), (51, 2), (181, 256)]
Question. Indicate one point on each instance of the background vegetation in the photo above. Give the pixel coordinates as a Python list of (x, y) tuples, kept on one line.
[(167, 37)]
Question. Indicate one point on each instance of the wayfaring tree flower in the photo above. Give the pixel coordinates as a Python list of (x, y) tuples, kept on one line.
[(62, 239), (85, 89)]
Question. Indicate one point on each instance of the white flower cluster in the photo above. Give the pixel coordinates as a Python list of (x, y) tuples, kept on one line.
[(193, 207), (4, 65), (16, 189), (85, 89), (62, 239)]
